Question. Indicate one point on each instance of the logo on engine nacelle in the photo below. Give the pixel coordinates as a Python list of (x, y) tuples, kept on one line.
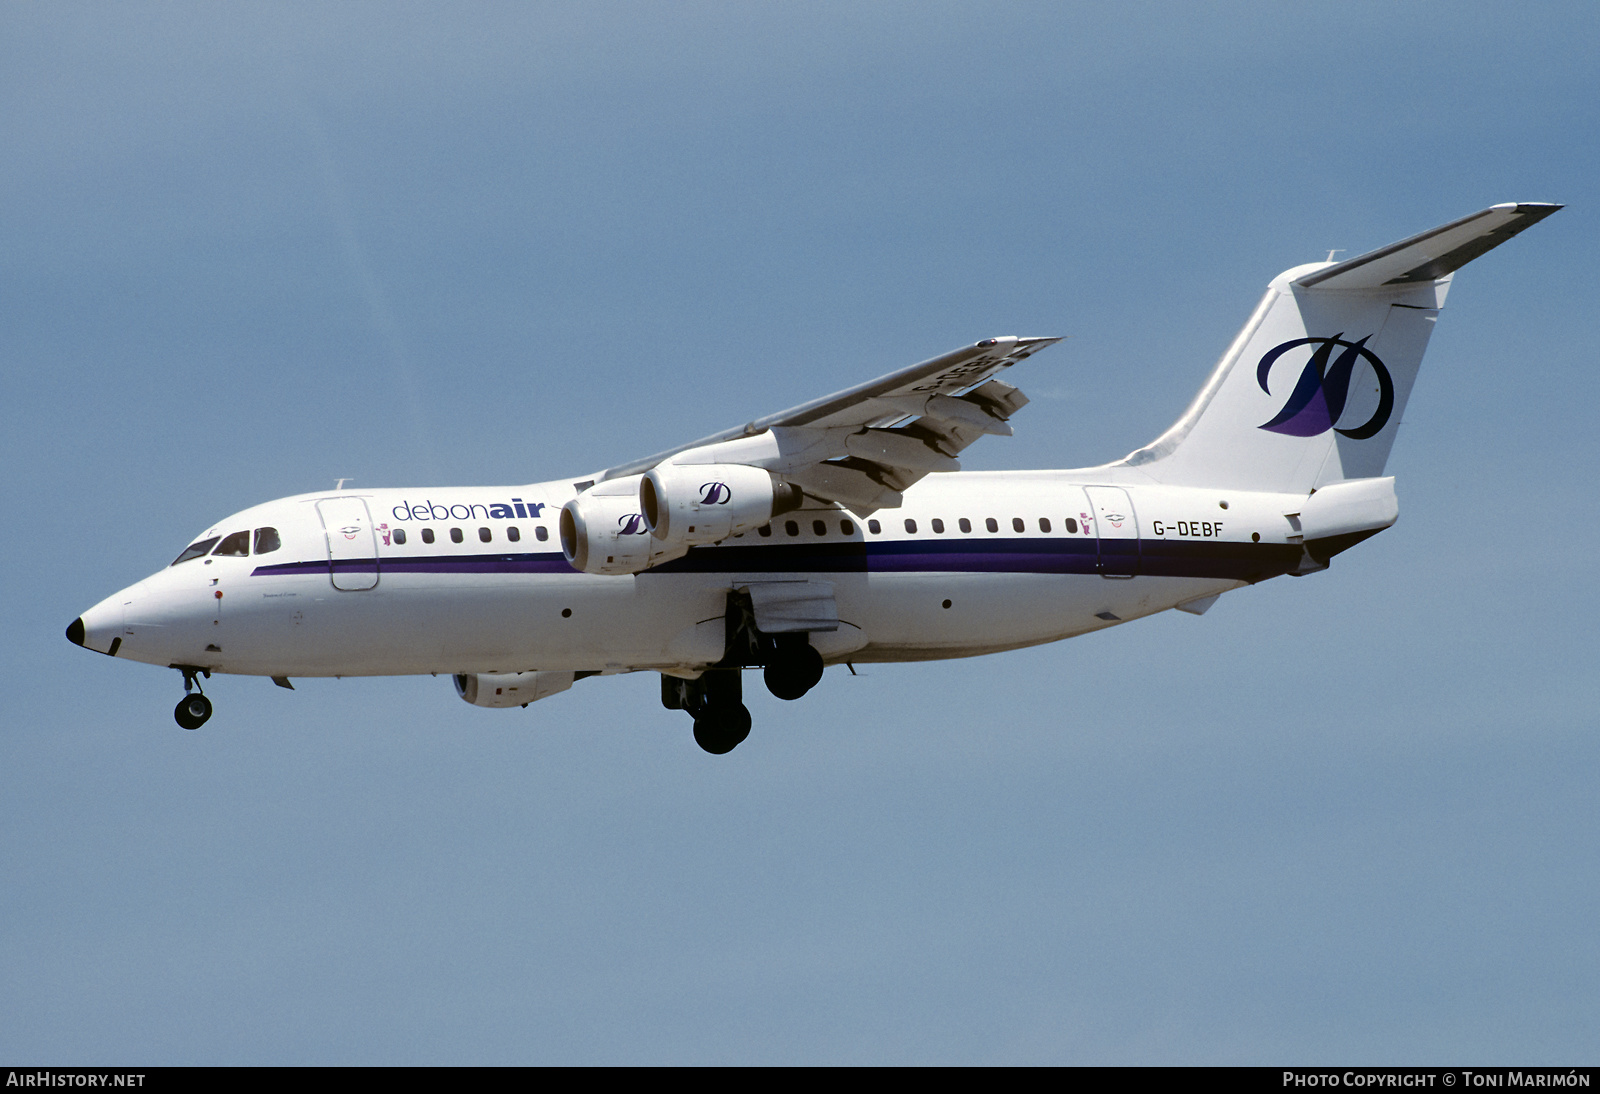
[(632, 524), (715, 493)]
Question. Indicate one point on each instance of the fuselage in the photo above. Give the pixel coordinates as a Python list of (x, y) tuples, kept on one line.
[(473, 580)]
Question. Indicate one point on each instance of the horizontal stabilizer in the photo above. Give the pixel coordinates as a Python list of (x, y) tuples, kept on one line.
[(1433, 254)]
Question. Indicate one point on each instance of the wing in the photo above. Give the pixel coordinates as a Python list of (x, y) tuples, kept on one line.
[(865, 445)]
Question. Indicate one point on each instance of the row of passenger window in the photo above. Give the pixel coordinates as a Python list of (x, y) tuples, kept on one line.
[(485, 535), (847, 528), (1017, 525), (234, 544), (790, 528), (818, 527)]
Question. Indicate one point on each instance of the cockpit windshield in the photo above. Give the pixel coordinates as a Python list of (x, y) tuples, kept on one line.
[(237, 544), (195, 550)]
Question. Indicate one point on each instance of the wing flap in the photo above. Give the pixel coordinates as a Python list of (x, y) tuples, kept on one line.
[(855, 488), (898, 448)]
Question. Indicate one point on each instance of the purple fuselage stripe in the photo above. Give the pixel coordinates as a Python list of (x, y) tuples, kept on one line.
[(1151, 557)]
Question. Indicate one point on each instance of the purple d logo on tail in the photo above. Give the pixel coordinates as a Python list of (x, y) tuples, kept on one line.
[(1320, 394)]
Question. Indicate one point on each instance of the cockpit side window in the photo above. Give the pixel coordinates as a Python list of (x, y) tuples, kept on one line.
[(237, 544), (196, 549), (267, 541)]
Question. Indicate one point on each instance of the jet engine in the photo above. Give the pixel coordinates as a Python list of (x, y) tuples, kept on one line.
[(690, 504), (510, 689), (603, 531)]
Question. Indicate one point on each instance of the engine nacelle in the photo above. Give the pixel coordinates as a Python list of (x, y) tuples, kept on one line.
[(691, 504), (510, 689), (603, 531)]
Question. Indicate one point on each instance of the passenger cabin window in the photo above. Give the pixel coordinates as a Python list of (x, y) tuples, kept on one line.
[(514, 534), (847, 528), (966, 525), (764, 531), (819, 527), (237, 544), (938, 526), (991, 524), (455, 535), (911, 526), (541, 533), (400, 537), (791, 528), (484, 535), (1072, 526), (267, 540), (1017, 525), (1044, 524), (196, 549), (874, 527), (427, 535)]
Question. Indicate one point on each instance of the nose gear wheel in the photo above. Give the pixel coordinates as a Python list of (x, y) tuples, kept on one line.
[(194, 708), (192, 711)]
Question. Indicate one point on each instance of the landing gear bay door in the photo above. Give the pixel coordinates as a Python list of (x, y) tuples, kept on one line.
[(788, 607)]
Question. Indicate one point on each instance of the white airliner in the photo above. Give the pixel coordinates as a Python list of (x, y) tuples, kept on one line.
[(840, 531)]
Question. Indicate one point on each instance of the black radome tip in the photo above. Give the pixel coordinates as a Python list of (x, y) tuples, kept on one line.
[(75, 631)]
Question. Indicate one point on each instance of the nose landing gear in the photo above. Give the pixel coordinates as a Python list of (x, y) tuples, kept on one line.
[(192, 711), (194, 708)]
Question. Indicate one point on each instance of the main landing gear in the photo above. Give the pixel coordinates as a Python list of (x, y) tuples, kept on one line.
[(721, 719), (194, 708), (790, 664), (794, 666)]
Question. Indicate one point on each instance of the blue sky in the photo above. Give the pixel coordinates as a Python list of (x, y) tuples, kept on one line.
[(248, 251)]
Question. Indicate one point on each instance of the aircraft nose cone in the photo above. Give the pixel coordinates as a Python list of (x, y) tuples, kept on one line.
[(100, 628)]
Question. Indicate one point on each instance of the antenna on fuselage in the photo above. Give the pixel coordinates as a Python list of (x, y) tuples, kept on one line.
[(1336, 250), (340, 484)]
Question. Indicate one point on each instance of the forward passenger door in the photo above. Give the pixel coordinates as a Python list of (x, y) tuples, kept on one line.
[(352, 543)]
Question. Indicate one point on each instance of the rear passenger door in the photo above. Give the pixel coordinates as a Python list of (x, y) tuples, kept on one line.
[(1116, 529)]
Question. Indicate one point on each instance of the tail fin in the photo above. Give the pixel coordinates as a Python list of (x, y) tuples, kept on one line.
[(1312, 389)]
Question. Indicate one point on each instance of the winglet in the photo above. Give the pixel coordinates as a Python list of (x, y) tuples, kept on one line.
[(1432, 255)]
